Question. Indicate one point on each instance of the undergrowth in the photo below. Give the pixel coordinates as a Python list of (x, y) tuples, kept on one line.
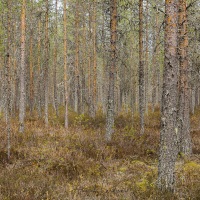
[(52, 163)]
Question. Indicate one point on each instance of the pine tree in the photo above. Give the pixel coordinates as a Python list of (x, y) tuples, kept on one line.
[(169, 130), (112, 70), (22, 103)]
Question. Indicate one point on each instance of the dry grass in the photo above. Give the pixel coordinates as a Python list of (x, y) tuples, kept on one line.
[(78, 164)]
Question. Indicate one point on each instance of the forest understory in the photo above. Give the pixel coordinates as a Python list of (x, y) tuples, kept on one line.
[(52, 163)]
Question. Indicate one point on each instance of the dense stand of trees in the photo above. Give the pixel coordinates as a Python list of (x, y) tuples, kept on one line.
[(110, 56)]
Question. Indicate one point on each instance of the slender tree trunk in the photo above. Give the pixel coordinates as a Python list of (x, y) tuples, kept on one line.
[(85, 60), (31, 72), (117, 93), (90, 69), (55, 61), (46, 70), (7, 80), (141, 68), (39, 68), (155, 64), (147, 59), (76, 85), (94, 93), (104, 80), (15, 79), (133, 98), (8, 98), (192, 99), (65, 64), (22, 104), (112, 70), (184, 97), (168, 134), (196, 91)]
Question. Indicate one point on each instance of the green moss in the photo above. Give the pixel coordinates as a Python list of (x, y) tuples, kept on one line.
[(138, 162), (123, 169), (191, 166), (142, 185)]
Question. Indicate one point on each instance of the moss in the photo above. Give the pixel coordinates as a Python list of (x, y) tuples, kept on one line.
[(192, 166), (123, 169), (138, 162), (142, 185)]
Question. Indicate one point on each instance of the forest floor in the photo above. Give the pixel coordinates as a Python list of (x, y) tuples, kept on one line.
[(54, 164)]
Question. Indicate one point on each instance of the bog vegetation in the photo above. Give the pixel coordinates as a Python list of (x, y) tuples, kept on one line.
[(99, 99), (52, 163)]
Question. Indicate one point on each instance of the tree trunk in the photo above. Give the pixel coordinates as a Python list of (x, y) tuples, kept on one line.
[(55, 62), (112, 70), (85, 60), (76, 83), (91, 67), (104, 78), (184, 97), (94, 93), (155, 64), (147, 60), (168, 134), (22, 71), (46, 70), (31, 71), (39, 68), (7, 79), (141, 68), (15, 78), (65, 64)]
